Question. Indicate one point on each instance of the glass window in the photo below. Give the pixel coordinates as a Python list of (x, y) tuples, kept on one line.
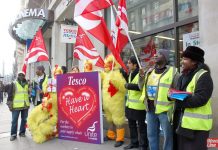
[(190, 32), (146, 47), (184, 30), (187, 8), (146, 15)]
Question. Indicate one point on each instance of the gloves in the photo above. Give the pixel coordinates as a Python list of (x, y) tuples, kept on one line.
[(126, 85)]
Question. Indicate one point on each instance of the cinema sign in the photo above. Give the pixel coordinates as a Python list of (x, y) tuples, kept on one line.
[(38, 13)]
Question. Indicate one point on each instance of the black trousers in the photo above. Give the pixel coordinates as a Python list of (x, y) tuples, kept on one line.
[(140, 140), (199, 142)]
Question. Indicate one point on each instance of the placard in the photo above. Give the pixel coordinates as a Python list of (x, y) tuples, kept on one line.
[(79, 107)]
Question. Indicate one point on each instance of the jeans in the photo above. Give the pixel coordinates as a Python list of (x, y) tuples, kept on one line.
[(142, 140), (153, 129), (14, 123)]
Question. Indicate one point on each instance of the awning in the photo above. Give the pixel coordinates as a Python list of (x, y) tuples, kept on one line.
[(28, 22)]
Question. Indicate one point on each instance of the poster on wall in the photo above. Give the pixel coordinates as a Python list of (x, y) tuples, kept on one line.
[(191, 39), (79, 107), (68, 33)]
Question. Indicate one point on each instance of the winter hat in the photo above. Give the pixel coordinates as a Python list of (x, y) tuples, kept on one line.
[(194, 53), (165, 53), (21, 72)]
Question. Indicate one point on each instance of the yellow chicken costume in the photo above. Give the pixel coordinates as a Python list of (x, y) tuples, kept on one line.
[(42, 120), (113, 99)]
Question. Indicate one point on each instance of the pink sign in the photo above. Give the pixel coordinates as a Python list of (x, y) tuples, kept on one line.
[(79, 111)]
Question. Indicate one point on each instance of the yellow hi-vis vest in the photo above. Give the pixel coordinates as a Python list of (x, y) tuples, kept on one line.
[(133, 96), (45, 84), (199, 118), (21, 98), (161, 101)]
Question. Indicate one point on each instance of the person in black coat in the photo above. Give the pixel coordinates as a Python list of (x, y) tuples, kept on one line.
[(192, 62), (135, 116)]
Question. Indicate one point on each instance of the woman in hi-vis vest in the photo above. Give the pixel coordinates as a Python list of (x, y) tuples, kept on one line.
[(193, 116)]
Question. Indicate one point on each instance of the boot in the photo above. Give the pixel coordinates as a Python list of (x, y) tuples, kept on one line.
[(120, 137), (110, 135)]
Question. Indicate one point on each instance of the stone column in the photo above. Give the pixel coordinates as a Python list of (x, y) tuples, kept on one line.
[(208, 26), (58, 48)]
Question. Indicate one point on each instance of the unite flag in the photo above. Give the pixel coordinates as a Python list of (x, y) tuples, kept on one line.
[(37, 51), (88, 6), (122, 24), (84, 49), (96, 26)]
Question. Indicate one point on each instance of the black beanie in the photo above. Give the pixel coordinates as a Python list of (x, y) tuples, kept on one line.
[(194, 53)]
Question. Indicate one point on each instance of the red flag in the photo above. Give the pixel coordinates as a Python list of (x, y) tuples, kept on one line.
[(96, 26), (122, 37), (87, 6), (24, 67), (149, 50), (37, 50), (84, 49), (148, 53)]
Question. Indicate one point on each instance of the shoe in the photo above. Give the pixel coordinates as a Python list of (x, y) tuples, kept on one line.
[(106, 138), (130, 146), (22, 135), (118, 144), (142, 148), (12, 138)]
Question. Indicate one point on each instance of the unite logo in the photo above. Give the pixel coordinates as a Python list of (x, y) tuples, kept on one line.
[(90, 132)]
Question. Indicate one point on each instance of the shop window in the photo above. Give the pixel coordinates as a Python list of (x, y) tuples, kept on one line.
[(188, 35), (150, 15), (146, 47), (189, 29), (187, 8)]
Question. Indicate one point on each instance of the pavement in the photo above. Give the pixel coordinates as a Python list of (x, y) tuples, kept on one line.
[(26, 143)]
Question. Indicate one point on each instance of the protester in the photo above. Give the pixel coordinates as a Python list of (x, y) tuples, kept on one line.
[(64, 69), (114, 92), (157, 82), (75, 69), (18, 103), (42, 81), (135, 109), (33, 92), (193, 116), (1, 92)]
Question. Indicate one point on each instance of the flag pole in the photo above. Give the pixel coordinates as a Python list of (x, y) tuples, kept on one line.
[(129, 39)]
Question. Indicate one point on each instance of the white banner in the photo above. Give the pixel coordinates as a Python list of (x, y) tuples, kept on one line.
[(191, 39), (68, 33)]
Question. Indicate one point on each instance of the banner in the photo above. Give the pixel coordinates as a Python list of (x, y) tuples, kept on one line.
[(79, 107), (68, 33)]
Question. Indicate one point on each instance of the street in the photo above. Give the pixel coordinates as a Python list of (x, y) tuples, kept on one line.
[(26, 143)]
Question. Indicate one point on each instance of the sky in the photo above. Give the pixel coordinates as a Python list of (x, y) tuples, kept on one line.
[(8, 10)]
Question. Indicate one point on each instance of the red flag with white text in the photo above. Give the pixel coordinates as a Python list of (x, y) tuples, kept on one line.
[(88, 6), (122, 24), (96, 26), (37, 50), (84, 49)]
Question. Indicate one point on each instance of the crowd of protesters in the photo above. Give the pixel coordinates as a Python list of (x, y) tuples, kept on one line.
[(185, 124)]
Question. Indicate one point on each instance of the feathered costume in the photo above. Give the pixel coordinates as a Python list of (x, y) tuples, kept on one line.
[(113, 98), (42, 120)]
